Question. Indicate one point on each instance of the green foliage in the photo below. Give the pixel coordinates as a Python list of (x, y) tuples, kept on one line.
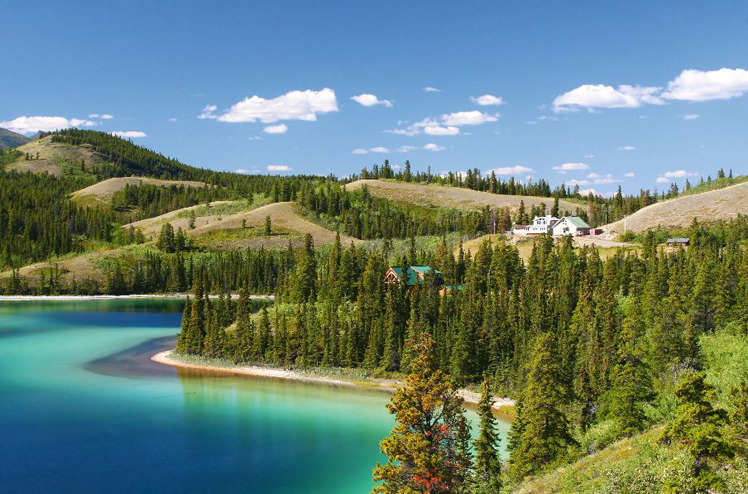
[(487, 477), (428, 450), (698, 428)]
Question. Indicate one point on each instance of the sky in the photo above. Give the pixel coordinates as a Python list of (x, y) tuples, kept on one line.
[(590, 93)]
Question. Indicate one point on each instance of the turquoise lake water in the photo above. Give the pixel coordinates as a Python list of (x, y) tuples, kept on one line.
[(84, 410)]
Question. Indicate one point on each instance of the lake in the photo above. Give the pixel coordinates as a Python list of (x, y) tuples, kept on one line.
[(84, 410)]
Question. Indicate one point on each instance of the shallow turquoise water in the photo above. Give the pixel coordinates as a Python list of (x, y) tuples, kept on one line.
[(82, 409)]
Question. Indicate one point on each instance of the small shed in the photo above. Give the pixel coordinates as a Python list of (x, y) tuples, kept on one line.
[(676, 242)]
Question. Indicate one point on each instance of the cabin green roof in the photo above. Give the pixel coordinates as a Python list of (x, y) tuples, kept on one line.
[(413, 277)]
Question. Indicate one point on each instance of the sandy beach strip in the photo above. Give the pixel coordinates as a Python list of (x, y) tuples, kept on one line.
[(166, 358)]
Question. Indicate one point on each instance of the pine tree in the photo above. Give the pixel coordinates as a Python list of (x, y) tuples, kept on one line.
[(487, 462), (428, 450), (545, 438), (698, 428), (183, 338)]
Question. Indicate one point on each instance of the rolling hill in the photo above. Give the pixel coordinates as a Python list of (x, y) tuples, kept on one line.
[(102, 192), (706, 207), (10, 139), (56, 158), (453, 197)]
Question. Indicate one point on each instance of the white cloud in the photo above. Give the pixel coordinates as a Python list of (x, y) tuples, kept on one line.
[(690, 116), (360, 151), (172, 120), (679, 174), (629, 175), (593, 175), (697, 85), (510, 170), (437, 130), (208, 112), (241, 170), (276, 129), (279, 168), (586, 192), (487, 100), (379, 149), (626, 148), (129, 134), (447, 125), (593, 96), (433, 147), (430, 89), (589, 156), (255, 138), (407, 149), (30, 125), (103, 116), (294, 105), (371, 100), (566, 167), (574, 181), (474, 117), (662, 180)]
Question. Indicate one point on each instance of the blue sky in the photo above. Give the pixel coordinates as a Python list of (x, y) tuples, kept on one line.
[(594, 93)]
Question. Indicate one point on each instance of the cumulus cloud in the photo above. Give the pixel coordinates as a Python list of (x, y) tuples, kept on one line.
[(487, 100), (567, 167), (371, 100), (276, 129), (668, 177), (294, 105), (31, 125), (379, 149), (629, 175), (697, 85), (626, 148), (431, 89), (679, 174), (360, 151), (433, 147), (172, 120), (510, 170), (474, 117), (690, 116), (129, 134), (591, 96), (279, 168), (241, 170), (103, 116), (448, 124), (208, 112), (586, 192)]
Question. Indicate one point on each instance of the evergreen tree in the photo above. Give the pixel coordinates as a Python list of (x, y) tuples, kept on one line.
[(428, 450), (698, 428), (487, 462), (545, 437)]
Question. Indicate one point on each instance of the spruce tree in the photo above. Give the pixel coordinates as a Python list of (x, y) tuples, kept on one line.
[(545, 438), (698, 428), (428, 450), (487, 462)]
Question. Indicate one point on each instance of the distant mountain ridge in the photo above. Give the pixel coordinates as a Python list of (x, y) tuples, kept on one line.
[(10, 139)]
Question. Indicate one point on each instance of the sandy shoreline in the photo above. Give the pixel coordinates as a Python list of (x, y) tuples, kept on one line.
[(10, 298), (165, 358)]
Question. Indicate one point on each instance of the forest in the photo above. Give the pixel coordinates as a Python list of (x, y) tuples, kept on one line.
[(592, 350)]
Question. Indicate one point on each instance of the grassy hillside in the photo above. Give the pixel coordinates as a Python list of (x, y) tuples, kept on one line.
[(706, 207), (438, 196), (10, 139), (102, 192)]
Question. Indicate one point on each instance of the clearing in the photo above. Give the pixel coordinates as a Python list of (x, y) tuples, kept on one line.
[(440, 196), (707, 207), (56, 158), (102, 192)]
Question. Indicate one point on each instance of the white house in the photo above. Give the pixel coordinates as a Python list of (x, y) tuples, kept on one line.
[(570, 225), (541, 225)]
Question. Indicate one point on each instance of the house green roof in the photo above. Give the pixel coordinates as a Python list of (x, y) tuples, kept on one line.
[(413, 277), (577, 221)]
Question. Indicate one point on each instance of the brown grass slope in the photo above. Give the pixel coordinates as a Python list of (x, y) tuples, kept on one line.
[(452, 197), (104, 191), (151, 227), (287, 224), (54, 157), (721, 204)]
